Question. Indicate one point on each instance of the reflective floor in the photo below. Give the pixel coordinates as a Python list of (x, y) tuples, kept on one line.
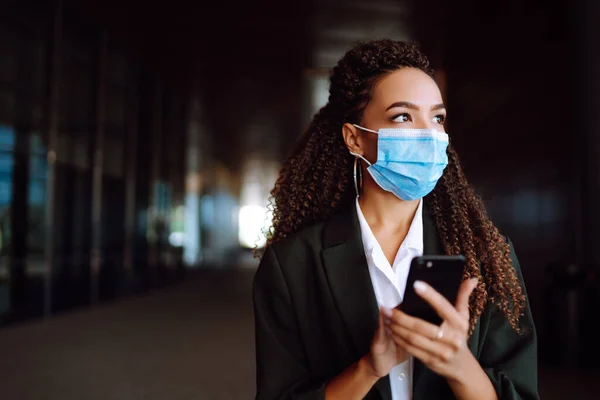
[(189, 341)]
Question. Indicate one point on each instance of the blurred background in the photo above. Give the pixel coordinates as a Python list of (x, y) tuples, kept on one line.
[(139, 142)]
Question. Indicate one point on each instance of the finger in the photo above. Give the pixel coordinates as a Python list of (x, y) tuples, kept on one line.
[(462, 300), (407, 327), (379, 339), (414, 324), (438, 348), (431, 360), (381, 331), (441, 305)]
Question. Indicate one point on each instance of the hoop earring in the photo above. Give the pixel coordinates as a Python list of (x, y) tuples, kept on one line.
[(357, 185)]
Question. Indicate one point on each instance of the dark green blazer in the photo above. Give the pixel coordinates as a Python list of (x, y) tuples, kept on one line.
[(316, 313)]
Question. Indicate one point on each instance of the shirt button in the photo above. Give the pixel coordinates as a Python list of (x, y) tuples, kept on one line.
[(401, 376)]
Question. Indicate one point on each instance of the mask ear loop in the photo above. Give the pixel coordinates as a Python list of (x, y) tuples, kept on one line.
[(357, 185)]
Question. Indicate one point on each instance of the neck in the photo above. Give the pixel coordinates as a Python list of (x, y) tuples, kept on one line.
[(384, 209)]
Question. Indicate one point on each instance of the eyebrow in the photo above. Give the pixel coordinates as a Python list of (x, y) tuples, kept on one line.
[(412, 106)]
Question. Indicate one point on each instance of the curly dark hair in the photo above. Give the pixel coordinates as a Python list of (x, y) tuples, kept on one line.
[(316, 180)]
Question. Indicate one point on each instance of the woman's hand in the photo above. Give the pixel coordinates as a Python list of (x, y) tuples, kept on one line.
[(443, 348), (384, 354), (357, 380)]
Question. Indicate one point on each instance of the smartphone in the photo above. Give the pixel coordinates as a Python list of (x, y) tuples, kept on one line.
[(443, 273)]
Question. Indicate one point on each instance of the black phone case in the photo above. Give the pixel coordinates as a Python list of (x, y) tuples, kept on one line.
[(443, 273)]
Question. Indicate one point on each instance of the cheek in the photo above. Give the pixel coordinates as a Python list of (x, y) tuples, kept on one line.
[(371, 150)]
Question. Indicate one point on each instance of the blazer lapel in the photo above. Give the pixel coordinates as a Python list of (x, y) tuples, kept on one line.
[(348, 277), (431, 246)]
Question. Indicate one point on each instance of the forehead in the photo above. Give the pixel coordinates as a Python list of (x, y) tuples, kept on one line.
[(406, 84)]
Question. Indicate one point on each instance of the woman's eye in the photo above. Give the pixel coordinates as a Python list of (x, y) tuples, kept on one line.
[(439, 119), (402, 118)]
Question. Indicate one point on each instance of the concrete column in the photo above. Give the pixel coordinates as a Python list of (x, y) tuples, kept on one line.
[(52, 139), (97, 172), (586, 122)]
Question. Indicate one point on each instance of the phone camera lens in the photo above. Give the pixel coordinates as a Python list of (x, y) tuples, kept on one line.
[(429, 264)]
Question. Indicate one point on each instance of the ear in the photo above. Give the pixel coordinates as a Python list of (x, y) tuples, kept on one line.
[(351, 138)]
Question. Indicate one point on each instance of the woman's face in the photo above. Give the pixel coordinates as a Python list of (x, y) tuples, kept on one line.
[(405, 98)]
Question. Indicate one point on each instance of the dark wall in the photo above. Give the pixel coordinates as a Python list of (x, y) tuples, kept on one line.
[(249, 75), (244, 61), (520, 79), (509, 84), (587, 123)]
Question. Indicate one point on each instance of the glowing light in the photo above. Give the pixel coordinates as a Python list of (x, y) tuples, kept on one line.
[(177, 239), (253, 222)]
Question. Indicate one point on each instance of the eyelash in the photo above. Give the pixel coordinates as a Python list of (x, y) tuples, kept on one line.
[(442, 117), (395, 117)]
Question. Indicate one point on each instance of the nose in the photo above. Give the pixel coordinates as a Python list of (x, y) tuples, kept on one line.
[(426, 121), (423, 122)]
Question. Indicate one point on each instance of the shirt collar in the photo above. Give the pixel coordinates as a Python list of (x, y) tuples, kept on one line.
[(414, 237)]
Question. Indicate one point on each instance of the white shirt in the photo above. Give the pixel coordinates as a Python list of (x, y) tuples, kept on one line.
[(389, 283)]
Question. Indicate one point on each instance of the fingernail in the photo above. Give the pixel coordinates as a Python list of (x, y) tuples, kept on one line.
[(420, 286), (388, 330), (386, 311), (386, 321)]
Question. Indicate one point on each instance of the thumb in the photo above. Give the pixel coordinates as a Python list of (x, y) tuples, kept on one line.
[(462, 300)]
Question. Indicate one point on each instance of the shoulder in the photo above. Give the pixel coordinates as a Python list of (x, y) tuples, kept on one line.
[(302, 249), (298, 257), (507, 248), (286, 263), (341, 226), (298, 245)]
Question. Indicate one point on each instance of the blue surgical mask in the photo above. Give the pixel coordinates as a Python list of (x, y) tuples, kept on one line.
[(409, 161)]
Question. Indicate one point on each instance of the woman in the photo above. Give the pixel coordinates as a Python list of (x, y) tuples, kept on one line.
[(373, 183)]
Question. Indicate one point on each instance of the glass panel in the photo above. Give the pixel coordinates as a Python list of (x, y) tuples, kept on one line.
[(73, 185), (36, 201), (7, 135), (113, 159), (112, 278), (22, 96)]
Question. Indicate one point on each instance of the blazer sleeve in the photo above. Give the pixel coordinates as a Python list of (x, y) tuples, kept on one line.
[(281, 371), (511, 356)]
